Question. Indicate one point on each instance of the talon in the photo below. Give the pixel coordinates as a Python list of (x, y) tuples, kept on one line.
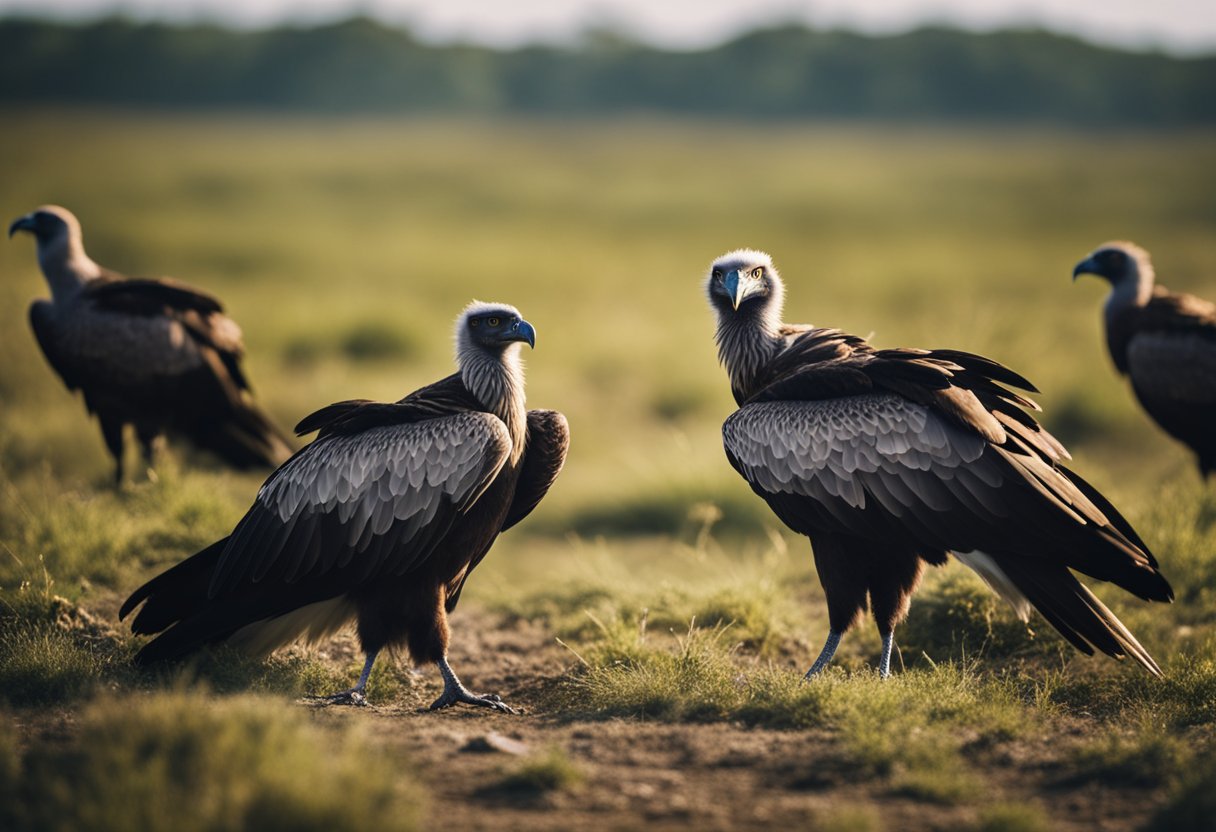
[(354, 698), (491, 701)]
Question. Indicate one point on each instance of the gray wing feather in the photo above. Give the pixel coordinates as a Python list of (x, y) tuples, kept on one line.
[(389, 481), (838, 447)]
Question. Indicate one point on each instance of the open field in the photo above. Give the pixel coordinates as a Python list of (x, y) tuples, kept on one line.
[(685, 615)]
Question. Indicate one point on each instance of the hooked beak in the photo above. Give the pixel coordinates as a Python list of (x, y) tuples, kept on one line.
[(524, 331), (25, 223), (735, 288), (1086, 266)]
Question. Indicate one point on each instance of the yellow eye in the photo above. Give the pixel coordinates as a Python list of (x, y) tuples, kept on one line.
[(757, 273), (492, 321), (474, 321)]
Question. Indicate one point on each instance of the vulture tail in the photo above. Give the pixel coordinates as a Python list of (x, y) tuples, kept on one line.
[(186, 636), (175, 594), (241, 434), (1074, 611)]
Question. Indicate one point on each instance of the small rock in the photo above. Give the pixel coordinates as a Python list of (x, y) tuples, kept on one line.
[(495, 742)]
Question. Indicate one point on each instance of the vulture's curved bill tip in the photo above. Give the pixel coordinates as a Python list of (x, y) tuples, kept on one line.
[(732, 286), (25, 223), (1086, 266), (524, 331)]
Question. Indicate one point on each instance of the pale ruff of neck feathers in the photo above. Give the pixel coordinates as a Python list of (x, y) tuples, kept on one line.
[(1134, 289), (65, 265), (497, 380), (750, 337)]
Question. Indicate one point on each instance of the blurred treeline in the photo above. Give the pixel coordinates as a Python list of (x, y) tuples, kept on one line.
[(362, 66)]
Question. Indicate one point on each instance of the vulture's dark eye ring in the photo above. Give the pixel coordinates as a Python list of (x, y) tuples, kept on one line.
[(492, 321), (474, 321), (717, 274), (758, 273)]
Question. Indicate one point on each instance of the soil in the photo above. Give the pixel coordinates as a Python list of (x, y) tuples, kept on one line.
[(688, 776)]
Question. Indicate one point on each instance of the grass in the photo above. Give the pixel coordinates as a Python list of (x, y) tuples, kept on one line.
[(1013, 817), (189, 762), (548, 771), (909, 730), (1147, 758), (1192, 805), (345, 249), (52, 652)]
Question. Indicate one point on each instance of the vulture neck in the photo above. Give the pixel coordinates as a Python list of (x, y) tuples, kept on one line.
[(497, 381), (1135, 289), (66, 267), (748, 339)]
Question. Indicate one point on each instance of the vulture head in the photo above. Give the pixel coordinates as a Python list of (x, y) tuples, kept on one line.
[(1123, 265), (51, 226), (488, 336), (60, 244), (491, 327), (744, 281)]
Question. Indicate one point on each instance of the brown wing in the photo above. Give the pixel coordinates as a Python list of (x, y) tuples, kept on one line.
[(348, 510), (1169, 355), (1167, 315), (548, 444), (545, 454), (926, 448), (199, 313)]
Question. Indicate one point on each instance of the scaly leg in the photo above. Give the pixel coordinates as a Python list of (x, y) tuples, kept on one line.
[(454, 692), (355, 696), (825, 655), (884, 664)]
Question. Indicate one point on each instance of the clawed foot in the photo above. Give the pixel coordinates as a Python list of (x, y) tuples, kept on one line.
[(490, 700), (353, 697)]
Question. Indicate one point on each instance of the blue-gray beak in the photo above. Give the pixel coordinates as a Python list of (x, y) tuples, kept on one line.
[(1086, 266), (731, 285), (524, 331), (25, 223)]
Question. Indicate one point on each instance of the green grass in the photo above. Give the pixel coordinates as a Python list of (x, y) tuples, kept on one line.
[(345, 250), (1148, 757), (1013, 817), (51, 651), (1191, 807), (188, 762), (540, 773)]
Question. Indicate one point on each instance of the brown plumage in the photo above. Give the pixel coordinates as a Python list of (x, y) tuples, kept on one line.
[(1164, 342), (155, 354), (891, 459), (380, 520)]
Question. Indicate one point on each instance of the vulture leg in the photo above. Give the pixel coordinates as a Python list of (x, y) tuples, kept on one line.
[(454, 692), (111, 432), (892, 581), (355, 696), (150, 441), (842, 572), (884, 664), (825, 655)]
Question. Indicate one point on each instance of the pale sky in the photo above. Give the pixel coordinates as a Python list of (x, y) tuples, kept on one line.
[(1179, 25)]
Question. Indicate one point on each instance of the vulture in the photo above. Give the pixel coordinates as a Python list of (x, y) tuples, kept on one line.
[(379, 520), (153, 353), (1164, 342), (891, 459)]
